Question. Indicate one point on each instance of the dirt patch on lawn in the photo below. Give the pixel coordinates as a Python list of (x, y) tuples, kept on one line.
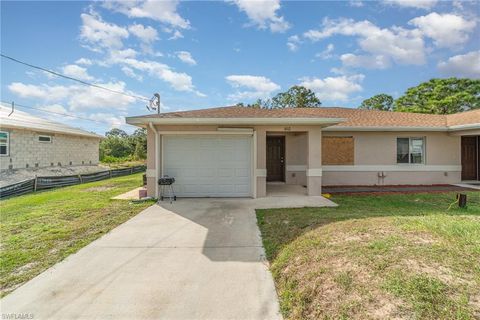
[(99, 189), (370, 269)]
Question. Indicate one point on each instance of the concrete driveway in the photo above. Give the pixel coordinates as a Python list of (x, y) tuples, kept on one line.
[(195, 259)]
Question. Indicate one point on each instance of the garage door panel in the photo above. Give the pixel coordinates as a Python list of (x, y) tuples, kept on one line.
[(242, 188), (209, 165)]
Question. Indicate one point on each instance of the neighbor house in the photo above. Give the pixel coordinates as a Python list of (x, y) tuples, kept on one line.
[(238, 151), (27, 141)]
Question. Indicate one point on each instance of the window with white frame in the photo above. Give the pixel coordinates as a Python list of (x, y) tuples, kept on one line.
[(4, 143), (411, 150), (45, 138)]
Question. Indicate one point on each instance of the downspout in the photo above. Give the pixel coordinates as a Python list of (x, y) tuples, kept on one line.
[(157, 158)]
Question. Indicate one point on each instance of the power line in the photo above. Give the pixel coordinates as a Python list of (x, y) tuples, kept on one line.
[(56, 113), (73, 79)]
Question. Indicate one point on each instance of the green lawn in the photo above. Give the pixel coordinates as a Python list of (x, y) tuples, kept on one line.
[(380, 257), (41, 229)]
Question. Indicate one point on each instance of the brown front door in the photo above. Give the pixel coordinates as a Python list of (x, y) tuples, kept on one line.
[(469, 158), (275, 158)]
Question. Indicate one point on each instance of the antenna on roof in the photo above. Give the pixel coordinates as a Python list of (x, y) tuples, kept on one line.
[(154, 103), (13, 109)]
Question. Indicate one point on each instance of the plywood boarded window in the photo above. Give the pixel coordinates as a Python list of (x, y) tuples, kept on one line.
[(337, 150)]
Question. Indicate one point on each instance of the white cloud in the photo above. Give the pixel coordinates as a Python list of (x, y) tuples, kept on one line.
[(163, 11), (255, 87), (57, 108), (334, 88), (97, 32), (176, 35), (343, 26), (130, 73), (419, 4), (145, 34), (263, 14), (77, 97), (399, 44), (463, 65), (356, 3), (118, 56), (186, 57), (446, 30), (84, 61), (108, 38), (365, 61), (327, 53), (44, 92), (112, 120), (293, 42), (74, 71), (178, 80)]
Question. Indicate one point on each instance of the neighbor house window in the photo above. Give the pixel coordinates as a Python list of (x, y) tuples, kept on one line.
[(411, 150), (4, 143), (45, 138)]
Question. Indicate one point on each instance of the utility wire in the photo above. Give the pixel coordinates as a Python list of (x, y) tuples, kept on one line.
[(53, 112), (73, 79)]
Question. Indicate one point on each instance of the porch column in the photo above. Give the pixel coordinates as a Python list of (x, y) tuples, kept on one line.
[(261, 163), (152, 154), (314, 170)]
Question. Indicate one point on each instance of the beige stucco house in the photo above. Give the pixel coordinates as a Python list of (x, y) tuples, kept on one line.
[(239, 151), (27, 141)]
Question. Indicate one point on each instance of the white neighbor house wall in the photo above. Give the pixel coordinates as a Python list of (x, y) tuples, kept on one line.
[(25, 149)]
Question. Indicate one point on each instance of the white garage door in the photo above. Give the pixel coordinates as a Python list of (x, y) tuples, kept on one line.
[(209, 166)]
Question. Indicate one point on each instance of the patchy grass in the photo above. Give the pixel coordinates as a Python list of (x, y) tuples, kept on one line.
[(380, 257), (41, 229), (119, 163)]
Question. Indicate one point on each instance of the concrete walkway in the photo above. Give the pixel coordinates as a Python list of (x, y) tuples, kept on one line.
[(194, 259)]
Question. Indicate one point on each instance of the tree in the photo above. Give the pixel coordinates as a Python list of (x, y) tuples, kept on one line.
[(118, 144), (140, 151), (383, 102), (138, 142), (115, 132), (441, 96), (115, 146), (296, 97)]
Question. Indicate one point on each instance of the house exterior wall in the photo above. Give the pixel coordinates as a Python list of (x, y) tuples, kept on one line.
[(26, 151), (296, 150), (375, 153), (151, 173)]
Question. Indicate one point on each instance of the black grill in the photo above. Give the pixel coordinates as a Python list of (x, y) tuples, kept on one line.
[(166, 181)]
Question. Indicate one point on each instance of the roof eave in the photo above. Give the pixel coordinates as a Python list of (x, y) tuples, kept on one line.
[(139, 121), (77, 134), (385, 128), (472, 126)]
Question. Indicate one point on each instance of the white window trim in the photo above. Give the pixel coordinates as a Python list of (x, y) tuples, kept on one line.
[(7, 154), (45, 136), (424, 148)]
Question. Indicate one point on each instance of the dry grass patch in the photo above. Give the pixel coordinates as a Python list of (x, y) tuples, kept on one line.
[(41, 229), (391, 265)]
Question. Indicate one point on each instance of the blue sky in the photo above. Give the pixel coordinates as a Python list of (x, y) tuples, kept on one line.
[(206, 54)]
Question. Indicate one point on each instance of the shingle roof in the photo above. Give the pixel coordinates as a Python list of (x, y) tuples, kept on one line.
[(353, 117), (464, 118), (22, 120)]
